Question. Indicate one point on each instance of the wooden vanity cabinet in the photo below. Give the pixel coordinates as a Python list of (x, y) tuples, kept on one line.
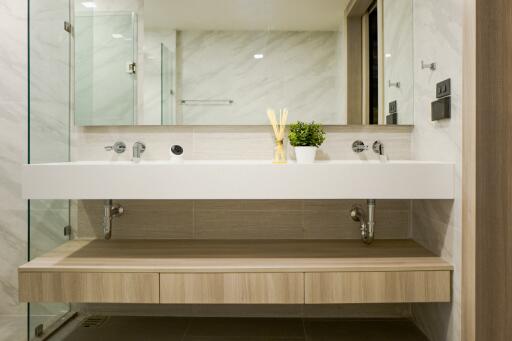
[(236, 272)]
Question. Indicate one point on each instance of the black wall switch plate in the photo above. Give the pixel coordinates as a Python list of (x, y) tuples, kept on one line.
[(444, 89), (393, 107), (441, 109)]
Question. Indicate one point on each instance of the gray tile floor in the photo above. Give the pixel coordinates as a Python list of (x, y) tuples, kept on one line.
[(238, 329)]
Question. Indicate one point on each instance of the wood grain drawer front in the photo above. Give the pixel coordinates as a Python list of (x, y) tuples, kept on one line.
[(378, 287), (79, 287), (232, 288)]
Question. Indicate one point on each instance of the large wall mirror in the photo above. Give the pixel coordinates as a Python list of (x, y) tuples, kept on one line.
[(224, 62)]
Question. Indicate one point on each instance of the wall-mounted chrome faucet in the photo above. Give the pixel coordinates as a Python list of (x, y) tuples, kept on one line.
[(367, 220), (111, 211), (118, 147), (138, 149), (359, 147), (378, 147)]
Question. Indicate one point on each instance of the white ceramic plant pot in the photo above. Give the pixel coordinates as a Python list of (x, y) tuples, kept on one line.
[(305, 154)]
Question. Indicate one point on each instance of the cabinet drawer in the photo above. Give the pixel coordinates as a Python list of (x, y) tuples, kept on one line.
[(232, 288), (377, 287), (79, 287)]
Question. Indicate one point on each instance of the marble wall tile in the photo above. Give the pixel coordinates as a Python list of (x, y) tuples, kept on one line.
[(298, 71), (13, 148), (13, 328), (437, 224)]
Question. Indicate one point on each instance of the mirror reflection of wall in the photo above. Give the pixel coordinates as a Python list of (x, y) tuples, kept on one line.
[(398, 53), (220, 62), (236, 75)]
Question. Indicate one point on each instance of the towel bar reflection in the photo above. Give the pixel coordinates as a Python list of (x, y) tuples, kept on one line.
[(207, 102)]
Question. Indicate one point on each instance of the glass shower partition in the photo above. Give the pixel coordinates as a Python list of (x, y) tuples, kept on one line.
[(105, 68), (49, 131)]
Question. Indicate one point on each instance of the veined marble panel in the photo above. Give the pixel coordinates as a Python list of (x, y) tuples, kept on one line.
[(298, 71), (13, 328), (437, 224), (13, 148)]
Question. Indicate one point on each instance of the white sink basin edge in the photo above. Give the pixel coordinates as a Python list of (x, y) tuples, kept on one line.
[(203, 179)]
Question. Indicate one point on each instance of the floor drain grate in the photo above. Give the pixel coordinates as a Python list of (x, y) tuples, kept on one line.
[(93, 322)]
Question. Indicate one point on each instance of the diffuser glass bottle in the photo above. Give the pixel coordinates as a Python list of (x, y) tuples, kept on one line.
[(279, 152), (279, 131)]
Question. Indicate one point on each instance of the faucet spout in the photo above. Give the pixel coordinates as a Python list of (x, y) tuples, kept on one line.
[(138, 149)]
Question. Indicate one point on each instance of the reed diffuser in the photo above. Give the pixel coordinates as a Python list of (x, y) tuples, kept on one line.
[(279, 131)]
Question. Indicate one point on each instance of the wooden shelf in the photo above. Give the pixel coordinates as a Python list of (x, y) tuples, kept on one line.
[(236, 272), (236, 256)]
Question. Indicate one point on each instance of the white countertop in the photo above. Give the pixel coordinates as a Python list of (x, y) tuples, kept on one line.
[(220, 179)]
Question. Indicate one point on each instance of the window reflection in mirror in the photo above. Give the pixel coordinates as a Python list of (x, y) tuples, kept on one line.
[(373, 65)]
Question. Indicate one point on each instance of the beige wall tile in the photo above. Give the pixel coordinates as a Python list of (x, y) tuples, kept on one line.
[(213, 224), (240, 219)]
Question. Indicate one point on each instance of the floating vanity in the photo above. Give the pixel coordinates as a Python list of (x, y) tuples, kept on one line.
[(236, 272), (239, 180)]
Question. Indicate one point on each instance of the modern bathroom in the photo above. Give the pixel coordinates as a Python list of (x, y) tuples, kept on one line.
[(255, 170)]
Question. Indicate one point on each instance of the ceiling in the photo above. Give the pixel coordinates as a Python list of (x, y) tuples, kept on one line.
[(278, 15)]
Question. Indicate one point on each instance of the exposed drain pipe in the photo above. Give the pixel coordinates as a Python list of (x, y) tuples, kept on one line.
[(357, 213), (110, 211)]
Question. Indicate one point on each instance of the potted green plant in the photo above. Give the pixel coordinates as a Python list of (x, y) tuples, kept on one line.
[(306, 138)]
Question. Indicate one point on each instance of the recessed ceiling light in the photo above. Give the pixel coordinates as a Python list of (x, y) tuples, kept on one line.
[(259, 56), (89, 4), (117, 36), (388, 55)]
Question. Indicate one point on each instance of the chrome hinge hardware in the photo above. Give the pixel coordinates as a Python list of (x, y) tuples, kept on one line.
[(131, 68), (67, 231), (39, 330), (68, 27)]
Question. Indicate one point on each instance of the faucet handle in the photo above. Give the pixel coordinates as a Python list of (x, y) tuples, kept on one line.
[(118, 147), (359, 147)]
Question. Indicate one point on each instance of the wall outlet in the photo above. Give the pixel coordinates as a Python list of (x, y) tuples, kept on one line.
[(393, 107), (444, 89)]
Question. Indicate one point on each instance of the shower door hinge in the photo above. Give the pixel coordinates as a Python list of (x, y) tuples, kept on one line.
[(39, 330), (131, 68), (67, 231), (67, 26)]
